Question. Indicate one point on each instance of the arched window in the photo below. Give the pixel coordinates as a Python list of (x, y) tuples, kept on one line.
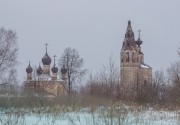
[(127, 59), (133, 57)]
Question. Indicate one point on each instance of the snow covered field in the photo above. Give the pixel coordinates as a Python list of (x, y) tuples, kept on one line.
[(84, 116)]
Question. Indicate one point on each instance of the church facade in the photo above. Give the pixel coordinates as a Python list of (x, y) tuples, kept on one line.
[(134, 71), (46, 79)]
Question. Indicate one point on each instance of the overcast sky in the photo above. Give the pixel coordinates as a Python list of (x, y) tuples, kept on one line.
[(95, 28)]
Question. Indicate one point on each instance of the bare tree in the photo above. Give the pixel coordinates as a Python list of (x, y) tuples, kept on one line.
[(8, 55), (74, 65), (109, 76), (158, 88), (174, 79), (174, 73), (104, 83)]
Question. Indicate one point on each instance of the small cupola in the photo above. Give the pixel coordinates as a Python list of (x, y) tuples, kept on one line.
[(39, 70), (63, 70), (29, 68), (46, 60), (54, 68), (139, 42)]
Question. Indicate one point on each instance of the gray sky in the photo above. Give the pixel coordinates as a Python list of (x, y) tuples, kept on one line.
[(95, 28)]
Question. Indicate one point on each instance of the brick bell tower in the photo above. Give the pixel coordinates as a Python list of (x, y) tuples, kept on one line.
[(132, 67)]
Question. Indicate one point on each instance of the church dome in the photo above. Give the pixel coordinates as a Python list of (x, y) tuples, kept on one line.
[(63, 70), (29, 68), (54, 69), (139, 42), (39, 70), (46, 60)]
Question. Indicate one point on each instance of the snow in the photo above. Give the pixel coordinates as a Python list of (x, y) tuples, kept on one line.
[(86, 117), (144, 66)]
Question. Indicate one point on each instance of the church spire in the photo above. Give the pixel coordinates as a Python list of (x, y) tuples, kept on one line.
[(129, 22), (129, 31), (129, 37)]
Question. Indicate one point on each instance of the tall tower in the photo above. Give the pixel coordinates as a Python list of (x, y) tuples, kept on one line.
[(133, 69), (46, 60)]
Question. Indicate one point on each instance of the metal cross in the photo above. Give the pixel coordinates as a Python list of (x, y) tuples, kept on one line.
[(46, 46), (54, 58)]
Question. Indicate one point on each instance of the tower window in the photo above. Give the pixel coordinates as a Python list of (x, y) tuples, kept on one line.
[(127, 59), (133, 57)]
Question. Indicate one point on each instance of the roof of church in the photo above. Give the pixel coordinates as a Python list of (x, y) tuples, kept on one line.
[(29, 68), (46, 60), (39, 70), (54, 69), (139, 41), (129, 39), (129, 36)]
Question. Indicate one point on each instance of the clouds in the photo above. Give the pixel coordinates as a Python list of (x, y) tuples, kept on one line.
[(95, 28)]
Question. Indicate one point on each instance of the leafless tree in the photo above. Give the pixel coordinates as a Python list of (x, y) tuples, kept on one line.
[(8, 56), (174, 73), (158, 90), (174, 78), (104, 83), (74, 65), (109, 75)]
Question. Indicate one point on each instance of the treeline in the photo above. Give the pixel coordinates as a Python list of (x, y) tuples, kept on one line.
[(165, 87)]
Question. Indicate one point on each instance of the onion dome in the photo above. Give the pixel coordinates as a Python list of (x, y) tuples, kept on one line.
[(63, 70), (54, 69), (39, 70), (139, 42), (29, 68), (46, 60)]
